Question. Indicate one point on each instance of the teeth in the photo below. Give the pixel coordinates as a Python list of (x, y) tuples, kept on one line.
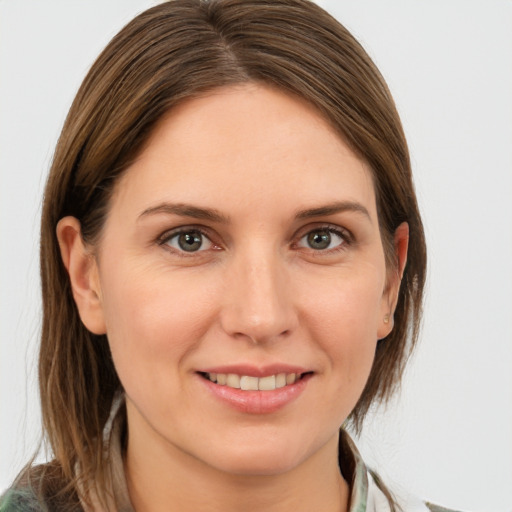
[(233, 380), (290, 378), (281, 380), (267, 383), (248, 383)]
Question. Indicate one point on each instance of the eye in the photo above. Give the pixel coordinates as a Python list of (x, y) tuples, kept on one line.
[(323, 239), (191, 240)]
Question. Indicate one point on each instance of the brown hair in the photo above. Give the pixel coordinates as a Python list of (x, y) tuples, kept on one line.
[(178, 50)]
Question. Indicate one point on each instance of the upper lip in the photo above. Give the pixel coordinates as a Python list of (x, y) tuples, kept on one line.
[(255, 371)]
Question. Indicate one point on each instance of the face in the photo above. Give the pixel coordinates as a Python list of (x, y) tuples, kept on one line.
[(242, 250)]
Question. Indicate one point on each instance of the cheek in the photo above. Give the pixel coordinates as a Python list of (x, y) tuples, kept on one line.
[(153, 320), (345, 319), (349, 302)]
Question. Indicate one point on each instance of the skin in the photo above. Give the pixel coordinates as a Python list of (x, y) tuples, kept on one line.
[(256, 292)]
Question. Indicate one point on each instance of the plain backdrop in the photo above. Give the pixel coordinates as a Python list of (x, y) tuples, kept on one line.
[(448, 436)]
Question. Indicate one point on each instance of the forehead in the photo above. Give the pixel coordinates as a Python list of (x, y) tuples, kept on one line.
[(246, 146)]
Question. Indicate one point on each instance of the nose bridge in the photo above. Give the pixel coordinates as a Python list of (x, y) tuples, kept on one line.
[(258, 303)]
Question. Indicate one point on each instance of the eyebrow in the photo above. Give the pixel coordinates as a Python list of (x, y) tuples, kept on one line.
[(186, 210), (333, 208), (213, 215)]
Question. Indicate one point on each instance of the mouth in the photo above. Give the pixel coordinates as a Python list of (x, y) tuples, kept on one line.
[(251, 383), (256, 390)]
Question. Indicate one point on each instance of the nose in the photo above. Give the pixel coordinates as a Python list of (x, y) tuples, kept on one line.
[(258, 301)]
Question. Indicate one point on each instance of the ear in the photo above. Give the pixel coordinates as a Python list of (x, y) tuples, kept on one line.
[(390, 297), (83, 274)]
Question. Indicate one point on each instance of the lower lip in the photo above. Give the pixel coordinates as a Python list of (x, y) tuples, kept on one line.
[(257, 402)]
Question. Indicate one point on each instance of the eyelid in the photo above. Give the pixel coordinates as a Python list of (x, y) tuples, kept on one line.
[(164, 238), (318, 226), (341, 231)]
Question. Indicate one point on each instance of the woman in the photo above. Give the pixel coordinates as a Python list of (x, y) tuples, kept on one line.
[(232, 266)]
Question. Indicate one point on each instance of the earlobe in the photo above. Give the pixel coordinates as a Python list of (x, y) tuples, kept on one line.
[(401, 244), (83, 274)]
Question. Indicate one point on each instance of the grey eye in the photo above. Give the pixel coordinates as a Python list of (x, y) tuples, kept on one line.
[(321, 239), (189, 241)]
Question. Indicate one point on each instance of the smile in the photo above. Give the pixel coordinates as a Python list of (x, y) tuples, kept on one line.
[(267, 393), (250, 383)]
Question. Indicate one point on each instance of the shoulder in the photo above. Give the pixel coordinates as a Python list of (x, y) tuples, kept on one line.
[(20, 500), (25, 499), (36, 491)]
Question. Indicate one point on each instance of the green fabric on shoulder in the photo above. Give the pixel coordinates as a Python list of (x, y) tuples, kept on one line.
[(19, 500)]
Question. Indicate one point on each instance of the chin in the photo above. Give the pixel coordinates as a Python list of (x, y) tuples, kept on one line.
[(258, 463), (259, 456)]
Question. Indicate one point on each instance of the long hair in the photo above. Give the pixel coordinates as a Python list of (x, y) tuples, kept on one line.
[(175, 51)]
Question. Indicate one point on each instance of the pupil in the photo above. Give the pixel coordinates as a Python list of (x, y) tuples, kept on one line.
[(319, 239), (190, 241)]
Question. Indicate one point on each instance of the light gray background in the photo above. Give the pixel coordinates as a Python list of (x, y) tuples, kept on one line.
[(448, 437)]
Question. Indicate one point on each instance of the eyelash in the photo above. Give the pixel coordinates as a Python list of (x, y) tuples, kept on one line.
[(164, 239), (344, 234)]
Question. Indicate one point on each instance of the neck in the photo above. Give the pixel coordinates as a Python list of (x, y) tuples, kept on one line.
[(160, 477)]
